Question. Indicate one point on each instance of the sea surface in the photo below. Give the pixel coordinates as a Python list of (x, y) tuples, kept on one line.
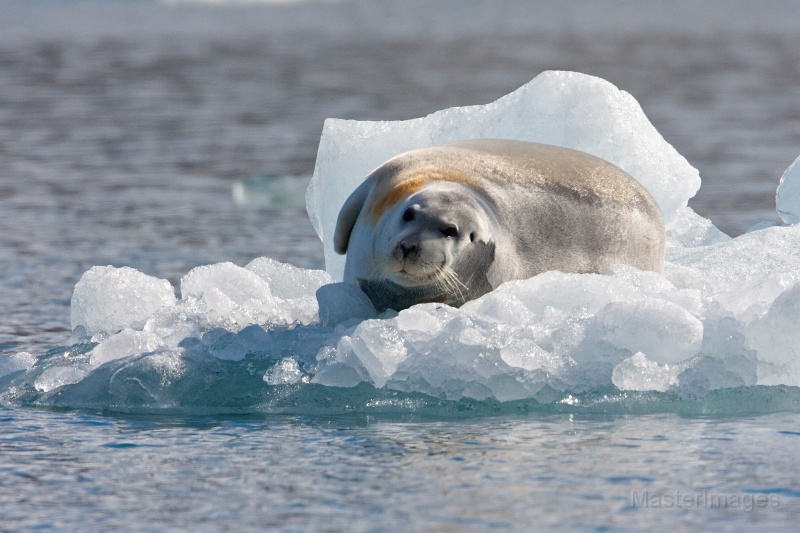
[(142, 134)]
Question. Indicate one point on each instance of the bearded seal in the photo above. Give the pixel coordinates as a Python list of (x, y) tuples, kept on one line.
[(450, 223)]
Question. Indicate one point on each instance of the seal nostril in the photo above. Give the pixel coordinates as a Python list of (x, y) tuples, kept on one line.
[(472, 237), (450, 231), (407, 249)]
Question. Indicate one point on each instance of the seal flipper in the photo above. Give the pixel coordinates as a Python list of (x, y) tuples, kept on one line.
[(385, 294)]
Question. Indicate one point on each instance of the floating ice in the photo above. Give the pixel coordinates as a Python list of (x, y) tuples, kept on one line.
[(288, 281), (285, 192), (129, 314), (557, 329), (224, 344), (125, 343), (664, 330), (637, 373), (230, 296), (108, 299), (287, 371), (16, 362), (341, 302), (724, 314), (788, 195), (58, 376), (775, 336)]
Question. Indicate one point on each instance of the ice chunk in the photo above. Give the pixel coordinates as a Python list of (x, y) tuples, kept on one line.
[(230, 296), (776, 339), (557, 294), (224, 344), (16, 362), (737, 273), (753, 297), (57, 376), (379, 347), (463, 360), (285, 372), (556, 330), (690, 230), (339, 302), (108, 299), (561, 108), (174, 324), (339, 375), (523, 352), (637, 373), (286, 192), (226, 295), (234, 282), (787, 198), (666, 332), (124, 344), (288, 281), (295, 286), (421, 322)]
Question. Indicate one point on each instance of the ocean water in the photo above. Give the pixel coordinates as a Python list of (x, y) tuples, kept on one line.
[(78, 472), (164, 136)]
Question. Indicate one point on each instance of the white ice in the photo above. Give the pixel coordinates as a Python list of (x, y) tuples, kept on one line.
[(788, 195), (108, 299), (724, 313), (129, 313), (285, 372)]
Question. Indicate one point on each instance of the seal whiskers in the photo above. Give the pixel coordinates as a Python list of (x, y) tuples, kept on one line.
[(449, 283)]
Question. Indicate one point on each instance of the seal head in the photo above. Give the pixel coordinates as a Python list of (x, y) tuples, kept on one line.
[(434, 245)]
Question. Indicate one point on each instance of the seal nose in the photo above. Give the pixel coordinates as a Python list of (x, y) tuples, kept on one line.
[(407, 249)]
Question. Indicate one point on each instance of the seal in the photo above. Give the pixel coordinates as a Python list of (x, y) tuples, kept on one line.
[(450, 223)]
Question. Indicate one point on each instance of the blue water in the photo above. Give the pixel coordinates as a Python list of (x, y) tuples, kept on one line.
[(80, 471), (123, 129)]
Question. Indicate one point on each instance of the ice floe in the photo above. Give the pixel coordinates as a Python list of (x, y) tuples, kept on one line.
[(724, 314)]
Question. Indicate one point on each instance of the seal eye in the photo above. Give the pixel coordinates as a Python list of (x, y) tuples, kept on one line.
[(450, 232), (408, 215)]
